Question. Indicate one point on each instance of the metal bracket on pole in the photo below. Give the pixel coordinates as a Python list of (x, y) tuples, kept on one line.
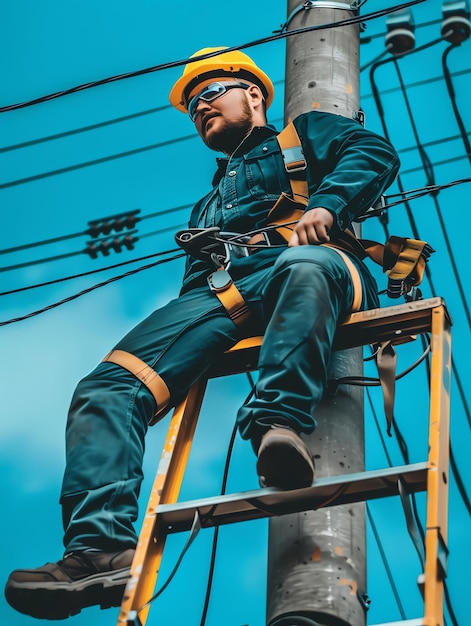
[(318, 4)]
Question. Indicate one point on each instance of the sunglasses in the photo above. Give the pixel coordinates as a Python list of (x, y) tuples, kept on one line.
[(209, 93)]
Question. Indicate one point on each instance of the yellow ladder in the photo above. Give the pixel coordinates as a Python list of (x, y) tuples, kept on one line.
[(164, 515)]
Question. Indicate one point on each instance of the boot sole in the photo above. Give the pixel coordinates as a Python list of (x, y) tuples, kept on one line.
[(60, 600)]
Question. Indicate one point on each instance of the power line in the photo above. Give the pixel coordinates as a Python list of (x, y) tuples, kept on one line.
[(404, 197), (97, 126), (428, 169), (92, 288), (173, 64), (83, 274), (451, 93), (100, 245), (45, 242), (84, 129), (78, 166), (159, 109)]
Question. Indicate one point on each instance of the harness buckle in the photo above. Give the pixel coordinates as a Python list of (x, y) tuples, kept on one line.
[(294, 159), (220, 280)]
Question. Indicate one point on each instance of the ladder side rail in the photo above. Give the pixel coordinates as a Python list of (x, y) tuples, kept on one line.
[(166, 487), (436, 550)]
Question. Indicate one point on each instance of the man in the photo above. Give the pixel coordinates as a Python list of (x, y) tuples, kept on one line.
[(293, 292)]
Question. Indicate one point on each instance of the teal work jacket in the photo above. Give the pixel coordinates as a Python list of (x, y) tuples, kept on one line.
[(348, 169)]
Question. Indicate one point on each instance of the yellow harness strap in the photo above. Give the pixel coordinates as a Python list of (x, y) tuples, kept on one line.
[(221, 284), (288, 209), (145, 374), (402, 259), (355, 276), (293, 156)]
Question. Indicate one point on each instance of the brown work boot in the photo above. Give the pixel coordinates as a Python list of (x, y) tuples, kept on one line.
[(80, 579), (284, 460)]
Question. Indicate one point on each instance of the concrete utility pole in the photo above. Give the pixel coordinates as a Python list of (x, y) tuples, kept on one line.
[(317, 559)]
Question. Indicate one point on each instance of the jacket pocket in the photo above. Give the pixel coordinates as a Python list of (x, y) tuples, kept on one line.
[(265, 173)]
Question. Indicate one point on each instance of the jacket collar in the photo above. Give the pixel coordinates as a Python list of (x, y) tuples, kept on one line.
[(257, 135)]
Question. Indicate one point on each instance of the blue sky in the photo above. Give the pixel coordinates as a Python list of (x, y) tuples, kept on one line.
[(50, 46)]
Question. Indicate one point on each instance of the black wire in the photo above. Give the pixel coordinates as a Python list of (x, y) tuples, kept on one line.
[(433, 142), (230, 450), (461, 391), (452, 95), (84, 129), (420, 192), (186, 61), (88, 290), (368, 38), (459, 481), (82, 274), (387, 567), (428, 169), (405, 455), (370, 381), (165, 107), (86, 251), (112, 157), (46, 242)]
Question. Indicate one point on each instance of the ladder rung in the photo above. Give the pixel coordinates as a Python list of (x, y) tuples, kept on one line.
[(250, 505)]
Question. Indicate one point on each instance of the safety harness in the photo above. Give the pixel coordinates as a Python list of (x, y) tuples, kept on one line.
[(403, 260)]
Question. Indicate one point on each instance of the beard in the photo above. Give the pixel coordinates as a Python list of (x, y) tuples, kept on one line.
[(231, 135)]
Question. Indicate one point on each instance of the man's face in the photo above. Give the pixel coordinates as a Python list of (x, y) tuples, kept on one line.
[(224, 122)]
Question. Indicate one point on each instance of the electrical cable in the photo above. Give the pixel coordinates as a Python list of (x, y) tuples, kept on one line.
[(45, 242), (93, 162), (419, 192), (186, 61), (230, 450), (418, 168), (385, 561), (433, 142), (459, 481), (371, 381), (87, 250), (428, 273), (98, 125), (89, 289), (428, 169), (369, 38), (83, 274), (377, 99), (452, 95), (84, 129), (159, 109)]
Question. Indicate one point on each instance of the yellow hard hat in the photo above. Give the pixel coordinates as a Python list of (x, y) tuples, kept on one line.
[(234, 64)]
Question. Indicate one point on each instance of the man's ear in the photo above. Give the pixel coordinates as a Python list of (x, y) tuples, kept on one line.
[(255, 95), (257, 102)]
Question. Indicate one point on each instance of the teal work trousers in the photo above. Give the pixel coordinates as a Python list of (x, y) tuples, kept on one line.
[(296, 304)]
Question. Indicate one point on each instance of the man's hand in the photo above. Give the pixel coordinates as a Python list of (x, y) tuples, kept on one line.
[(313, 228)]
